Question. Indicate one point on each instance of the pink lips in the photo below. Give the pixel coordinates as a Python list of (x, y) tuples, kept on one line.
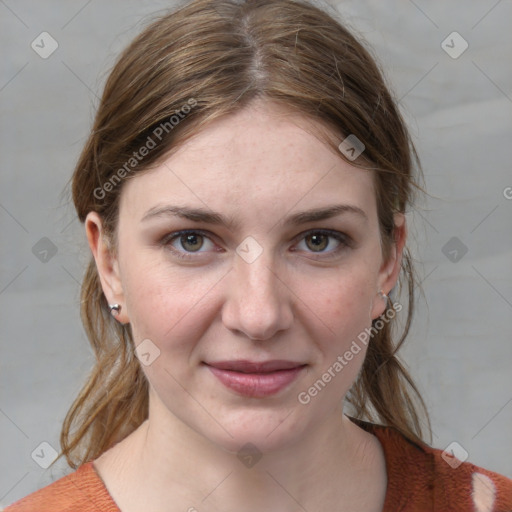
[(256, 380)]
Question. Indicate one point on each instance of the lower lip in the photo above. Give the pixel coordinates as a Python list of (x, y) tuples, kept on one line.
[(256, 385)]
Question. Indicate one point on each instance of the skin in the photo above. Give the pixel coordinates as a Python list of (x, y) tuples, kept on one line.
[(296, 301)]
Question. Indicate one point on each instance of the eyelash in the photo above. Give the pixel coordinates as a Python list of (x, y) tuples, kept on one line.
[(344, 240)]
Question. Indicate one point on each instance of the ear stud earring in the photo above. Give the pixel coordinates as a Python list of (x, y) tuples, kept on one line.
[(384, 296), (114, 308)]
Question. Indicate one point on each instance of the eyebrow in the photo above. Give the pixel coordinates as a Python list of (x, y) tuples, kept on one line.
[(208, 217)]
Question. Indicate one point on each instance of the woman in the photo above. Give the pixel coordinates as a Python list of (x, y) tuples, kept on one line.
[(244, 191)]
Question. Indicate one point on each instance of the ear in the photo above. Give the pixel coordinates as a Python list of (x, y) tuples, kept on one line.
[(390, 270), (106, 264)]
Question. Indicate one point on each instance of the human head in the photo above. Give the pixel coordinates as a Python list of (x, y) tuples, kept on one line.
[(216, 58)]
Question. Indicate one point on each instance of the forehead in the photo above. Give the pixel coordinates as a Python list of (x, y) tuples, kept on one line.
[(263, 159)]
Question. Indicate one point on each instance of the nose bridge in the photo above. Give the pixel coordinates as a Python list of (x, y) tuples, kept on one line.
[(258, 285), (258, 304), (256, 274)]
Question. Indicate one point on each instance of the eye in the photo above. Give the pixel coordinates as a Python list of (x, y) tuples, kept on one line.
[(323, 242), (186, 243)]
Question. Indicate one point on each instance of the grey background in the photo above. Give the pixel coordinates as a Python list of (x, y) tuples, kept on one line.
[(460, 113)]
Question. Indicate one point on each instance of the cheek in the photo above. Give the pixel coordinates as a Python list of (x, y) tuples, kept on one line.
[(166, 305), (149, 298), (342, 302), (344, 305)]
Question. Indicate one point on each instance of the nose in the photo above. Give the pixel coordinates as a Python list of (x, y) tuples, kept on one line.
[(258, 303)]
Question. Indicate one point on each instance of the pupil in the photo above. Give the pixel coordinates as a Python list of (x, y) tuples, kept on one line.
[(318, 242), (192, 242)]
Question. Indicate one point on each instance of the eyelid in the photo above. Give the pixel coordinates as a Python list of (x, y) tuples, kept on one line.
[(175, 234), (344, 240), (325, 231), (166, 241)]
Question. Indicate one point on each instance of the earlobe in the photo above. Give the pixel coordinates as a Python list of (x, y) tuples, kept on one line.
[(106, 264), (390, 270)]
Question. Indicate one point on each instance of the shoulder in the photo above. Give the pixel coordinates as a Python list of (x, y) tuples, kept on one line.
[(463, 482), (80, 491), (434, 480)]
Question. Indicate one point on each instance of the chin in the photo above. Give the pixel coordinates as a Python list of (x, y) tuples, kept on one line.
[(266, 430)]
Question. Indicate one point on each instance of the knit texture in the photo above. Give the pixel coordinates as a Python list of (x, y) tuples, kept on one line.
[(419, 480)]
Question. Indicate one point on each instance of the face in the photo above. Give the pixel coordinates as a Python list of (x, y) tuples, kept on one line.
[(253, 243)]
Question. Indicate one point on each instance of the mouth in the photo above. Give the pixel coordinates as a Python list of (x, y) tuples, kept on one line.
[(256, 379)]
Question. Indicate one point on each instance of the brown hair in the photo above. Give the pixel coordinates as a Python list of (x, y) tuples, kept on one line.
[(216, 56)]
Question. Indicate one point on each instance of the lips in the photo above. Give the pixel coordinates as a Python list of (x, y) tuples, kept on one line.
[(245, 366), (256, 379)]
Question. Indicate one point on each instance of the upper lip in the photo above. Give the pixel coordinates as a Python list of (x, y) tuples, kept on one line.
[(246, 366)]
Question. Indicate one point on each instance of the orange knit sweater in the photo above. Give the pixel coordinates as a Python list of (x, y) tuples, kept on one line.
[(419, 480)]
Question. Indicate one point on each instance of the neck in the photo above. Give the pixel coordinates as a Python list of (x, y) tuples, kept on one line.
[(334, 465)]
